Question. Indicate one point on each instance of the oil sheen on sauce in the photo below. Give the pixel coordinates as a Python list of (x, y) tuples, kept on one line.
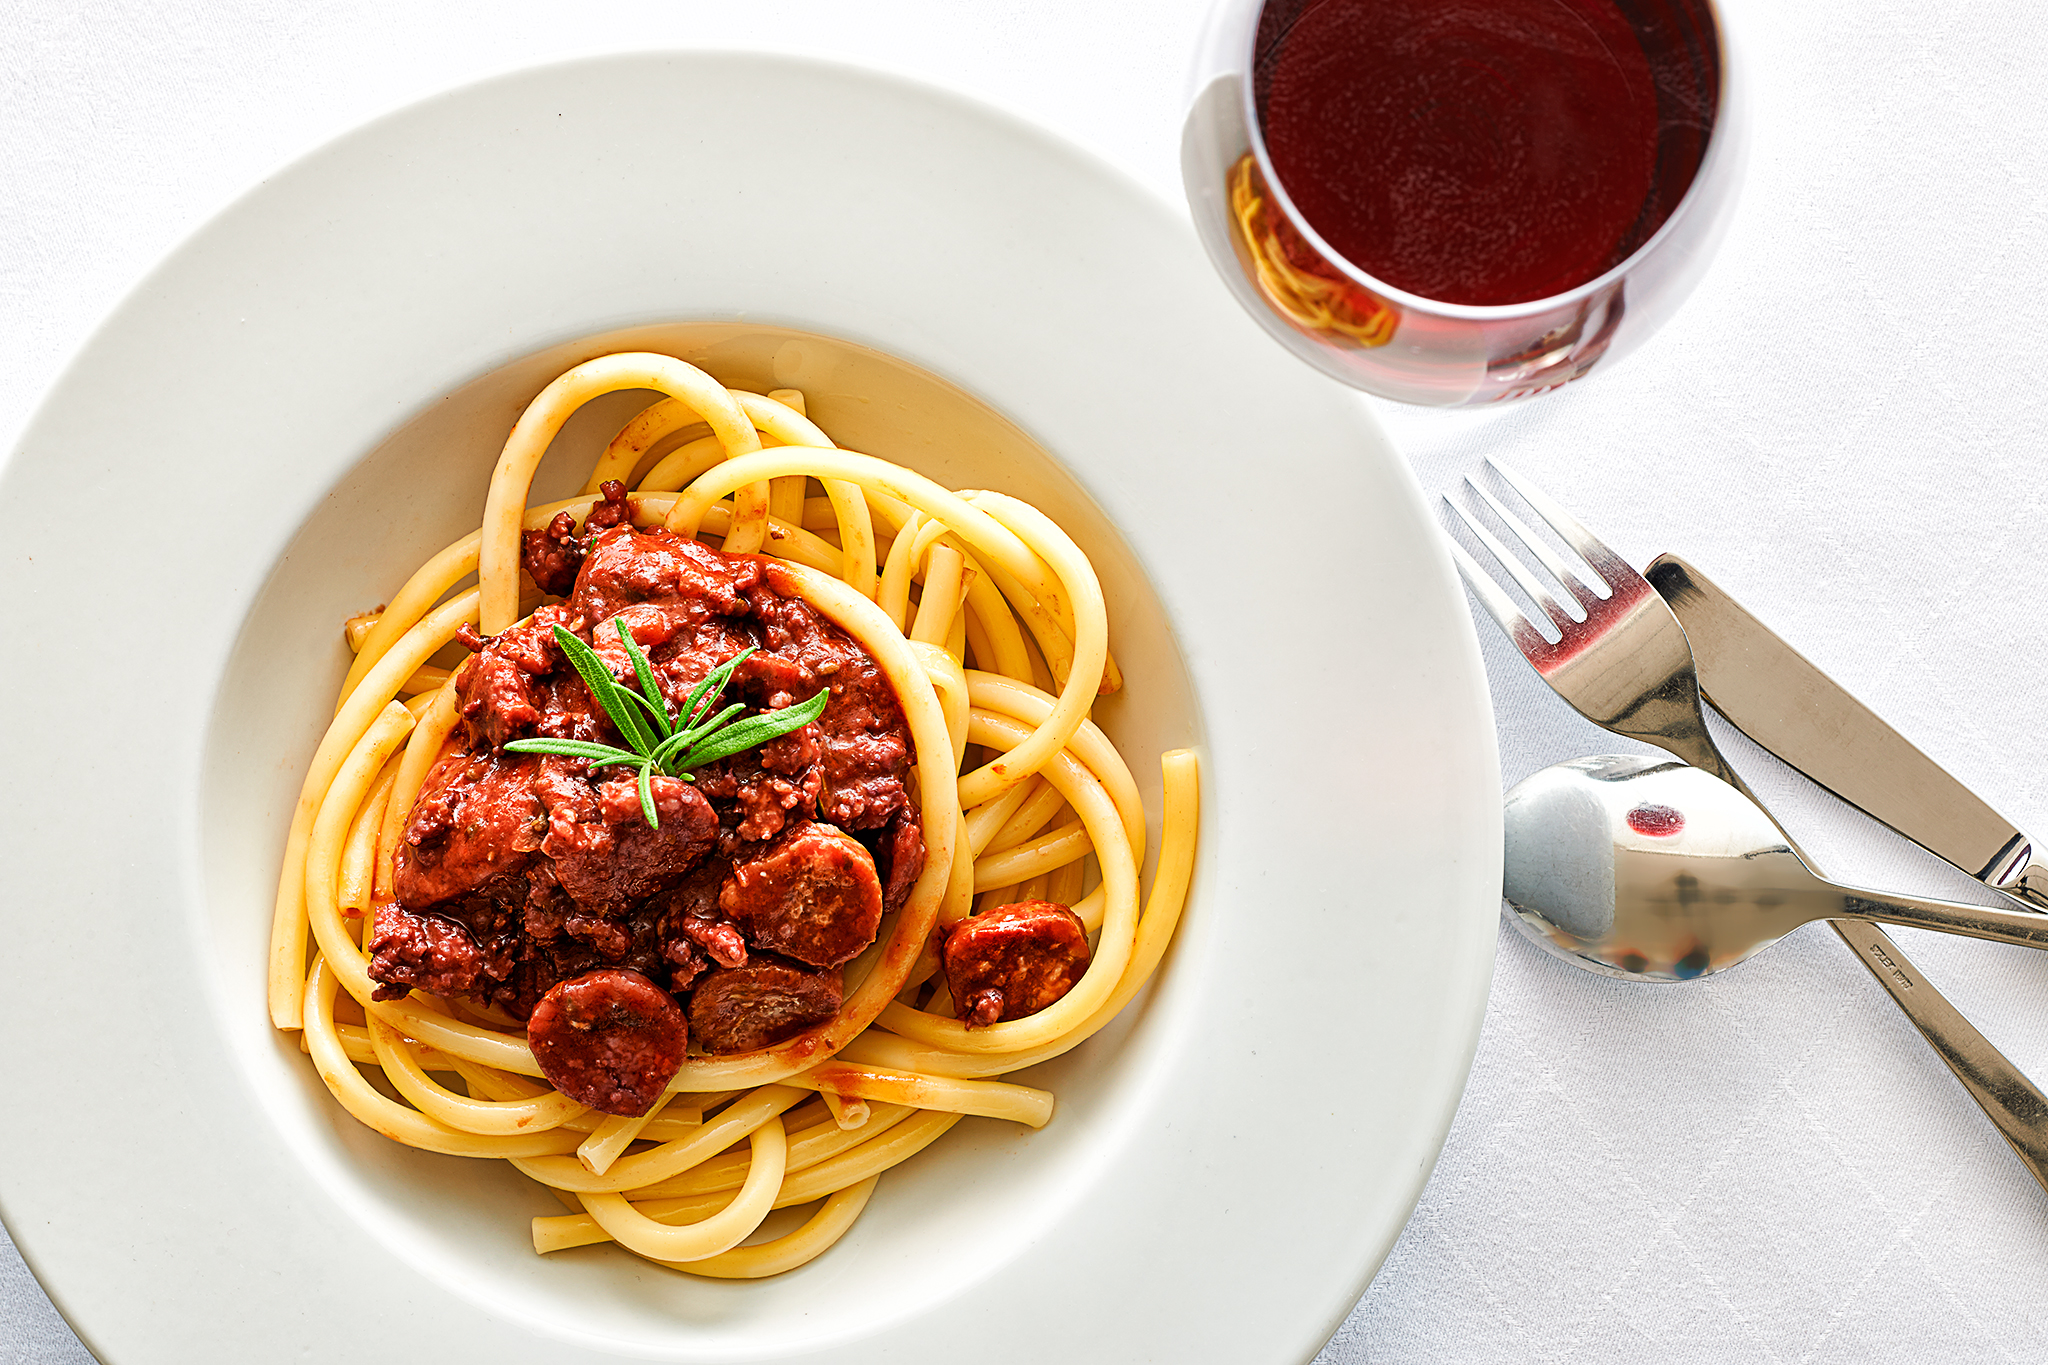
[(1467, 151)]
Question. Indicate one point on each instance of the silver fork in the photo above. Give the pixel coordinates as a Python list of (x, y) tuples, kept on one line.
[(1623, 662)]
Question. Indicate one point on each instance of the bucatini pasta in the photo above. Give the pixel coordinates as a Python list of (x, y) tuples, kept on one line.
[(802, 946)]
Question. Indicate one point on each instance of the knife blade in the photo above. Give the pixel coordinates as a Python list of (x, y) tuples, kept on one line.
[(1773, 694)]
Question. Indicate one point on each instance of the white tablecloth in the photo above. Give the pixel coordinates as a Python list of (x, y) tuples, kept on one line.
[(1843, 428)]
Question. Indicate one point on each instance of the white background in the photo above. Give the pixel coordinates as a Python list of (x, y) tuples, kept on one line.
[(1843, 427)]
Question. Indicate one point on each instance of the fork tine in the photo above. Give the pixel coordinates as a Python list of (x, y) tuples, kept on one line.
[(1603, 561), (1527, 581), (1518, 627), (1576, 582)]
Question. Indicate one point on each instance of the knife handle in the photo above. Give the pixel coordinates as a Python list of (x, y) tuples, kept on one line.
[(2008, 1098)]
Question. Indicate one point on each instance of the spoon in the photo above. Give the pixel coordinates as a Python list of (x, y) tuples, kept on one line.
[(1648, 869)]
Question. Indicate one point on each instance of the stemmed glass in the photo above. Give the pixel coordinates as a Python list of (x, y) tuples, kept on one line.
[(1398, 344)]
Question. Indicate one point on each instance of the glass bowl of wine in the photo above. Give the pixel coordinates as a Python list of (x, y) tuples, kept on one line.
[(1457, 202)]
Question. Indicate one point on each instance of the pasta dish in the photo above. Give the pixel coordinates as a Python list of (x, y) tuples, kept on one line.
[(719, 846)]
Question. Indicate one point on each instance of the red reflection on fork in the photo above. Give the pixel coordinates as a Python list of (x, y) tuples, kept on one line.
[(1620, 658)]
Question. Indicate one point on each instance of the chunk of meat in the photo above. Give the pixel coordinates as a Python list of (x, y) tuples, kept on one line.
[(604, 853), (500, 691), (720, 941), (811, 894), (623, 566), (424, 950), (692, 934), (552, 555), (615, 510), (767, 802), (610, 1039), (744, 1009), (902, 851), (1014, 960), (794, 752), (476, 819), (650, 626)]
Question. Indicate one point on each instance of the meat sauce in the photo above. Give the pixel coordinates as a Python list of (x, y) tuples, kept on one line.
[(531, 883)]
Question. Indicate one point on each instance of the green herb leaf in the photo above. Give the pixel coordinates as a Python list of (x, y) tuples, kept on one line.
[(642, 671), (681, 740), (623, 757), (647, 796), (754, 730), (669, 748), (697, 732), (572, 748), (713, 684), (660, 742), (598, 679), (657, 714)]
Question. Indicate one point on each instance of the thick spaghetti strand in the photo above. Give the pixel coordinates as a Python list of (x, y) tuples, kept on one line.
[(504, 507), (806, 1244), (722, 1231)]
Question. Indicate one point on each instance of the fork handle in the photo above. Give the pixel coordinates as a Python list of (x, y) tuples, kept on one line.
[(2007, 1098)]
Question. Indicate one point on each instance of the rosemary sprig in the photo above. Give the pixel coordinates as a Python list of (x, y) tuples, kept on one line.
[(662, 742)]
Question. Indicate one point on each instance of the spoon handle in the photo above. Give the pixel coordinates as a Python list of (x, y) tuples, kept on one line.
[(2008, 1098), (2012, 1102), (2025, 927)]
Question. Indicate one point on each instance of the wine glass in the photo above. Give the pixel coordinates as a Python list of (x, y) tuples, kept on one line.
[(1457, 202)]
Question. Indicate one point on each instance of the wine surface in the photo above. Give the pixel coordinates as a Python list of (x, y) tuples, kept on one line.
[(1480, 151)]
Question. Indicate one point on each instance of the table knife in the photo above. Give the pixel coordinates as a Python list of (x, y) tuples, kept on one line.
[(1773, 694)]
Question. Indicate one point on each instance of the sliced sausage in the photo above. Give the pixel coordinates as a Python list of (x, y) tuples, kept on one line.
[(1014, 960), (610, 1039), (744, 1009), (811, 894)]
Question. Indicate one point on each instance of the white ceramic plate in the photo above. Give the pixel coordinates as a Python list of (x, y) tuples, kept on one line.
[(218, 479)]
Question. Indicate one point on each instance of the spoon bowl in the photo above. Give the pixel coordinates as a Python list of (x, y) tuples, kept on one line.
[(1645, 868)]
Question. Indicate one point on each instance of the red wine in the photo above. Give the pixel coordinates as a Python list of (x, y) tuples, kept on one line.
[(1483, 151)]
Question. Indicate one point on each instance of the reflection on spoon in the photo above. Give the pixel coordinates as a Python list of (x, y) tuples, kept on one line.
[(1642, 867)]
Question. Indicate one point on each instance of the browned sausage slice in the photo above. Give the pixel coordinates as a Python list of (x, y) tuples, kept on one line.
[(743, 1009), (610, 1039), (1014, 960), (811, 893)]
